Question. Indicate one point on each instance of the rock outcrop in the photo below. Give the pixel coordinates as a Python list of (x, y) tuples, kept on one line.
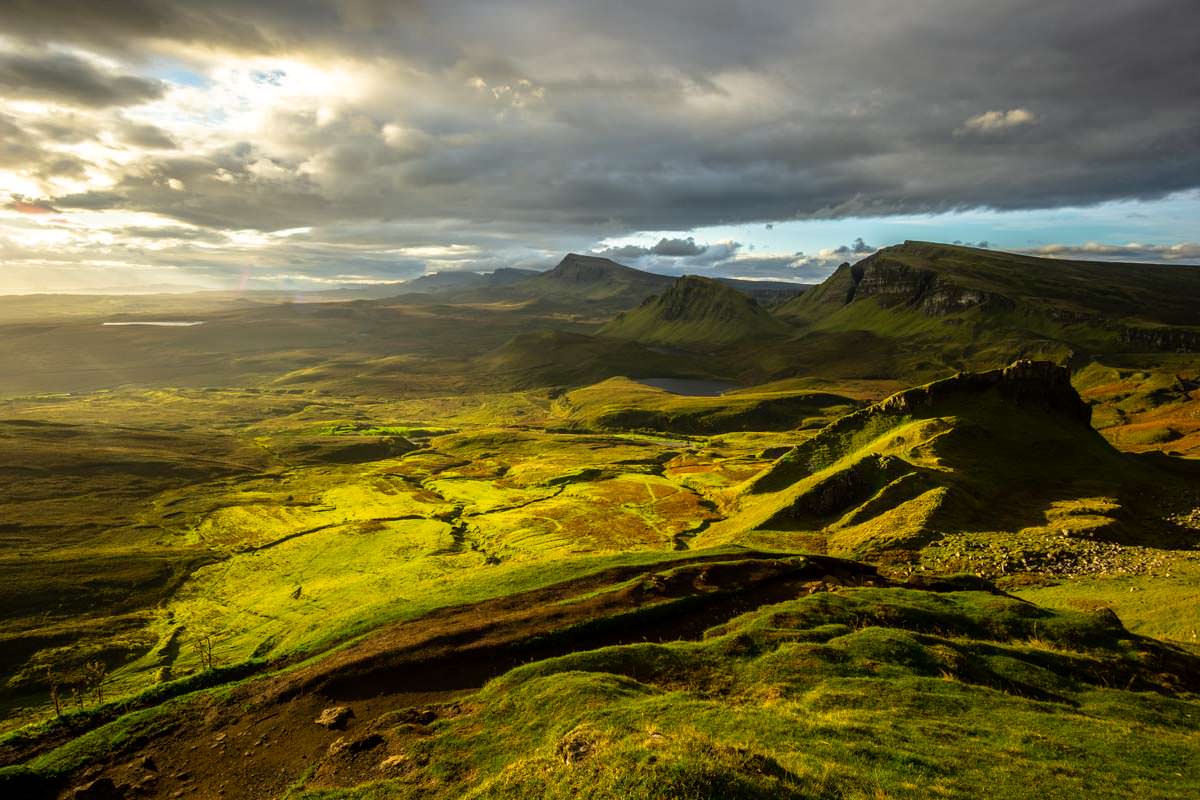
[(1035, 385)]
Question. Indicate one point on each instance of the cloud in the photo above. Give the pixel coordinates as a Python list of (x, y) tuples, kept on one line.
[(173, 233), (992, 122), (65, 78), (532, 127), (667, 248), (24, 206), (149, 137), (625, 252), (1133, 251), (857, 247), (677, 247)]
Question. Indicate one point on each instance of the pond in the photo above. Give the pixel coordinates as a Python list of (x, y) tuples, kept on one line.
[(689, 386), (156, 324)]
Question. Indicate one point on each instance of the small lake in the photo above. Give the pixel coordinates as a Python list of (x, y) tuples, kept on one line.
[(165, 324), (689, 386)]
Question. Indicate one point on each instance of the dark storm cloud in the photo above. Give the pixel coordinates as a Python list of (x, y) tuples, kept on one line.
[(750, 112), (64, 78), (569, 122)]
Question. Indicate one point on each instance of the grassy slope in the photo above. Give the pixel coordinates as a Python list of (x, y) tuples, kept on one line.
[(863, 693), (966, 468), (1144, 410)]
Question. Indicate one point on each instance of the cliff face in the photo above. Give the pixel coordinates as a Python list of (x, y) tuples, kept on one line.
[(1166, 339), (1030, 384), (693, 298), (924, 289), (1085, 306)]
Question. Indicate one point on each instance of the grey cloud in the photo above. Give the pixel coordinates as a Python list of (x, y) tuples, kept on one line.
[(67, 79), (173, 232), (858, 247), (17, 147), (677, 247), (63, 166), (627, 252), (764, 110)]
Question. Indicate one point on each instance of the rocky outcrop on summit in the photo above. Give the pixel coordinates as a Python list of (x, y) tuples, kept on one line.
[(1039, 384)]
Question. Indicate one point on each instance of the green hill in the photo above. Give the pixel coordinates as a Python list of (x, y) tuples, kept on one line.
[(1005, 457), (951, 306), (695, 313), (592, 278), (622, 404)]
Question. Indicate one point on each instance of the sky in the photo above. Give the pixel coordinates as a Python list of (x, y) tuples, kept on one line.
[(168, 145)]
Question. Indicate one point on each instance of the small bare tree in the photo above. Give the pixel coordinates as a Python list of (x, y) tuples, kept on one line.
[(204, 645), (54, 680), (94, 675)]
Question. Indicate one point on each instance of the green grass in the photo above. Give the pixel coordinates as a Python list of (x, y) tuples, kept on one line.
[(864, 693), (1164, 604)]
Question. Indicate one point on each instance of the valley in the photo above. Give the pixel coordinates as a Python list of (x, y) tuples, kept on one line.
[(596, 529)]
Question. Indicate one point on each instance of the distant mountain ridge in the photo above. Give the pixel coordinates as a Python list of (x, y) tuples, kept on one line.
[(919, 308), (577, 278), (447, 281)]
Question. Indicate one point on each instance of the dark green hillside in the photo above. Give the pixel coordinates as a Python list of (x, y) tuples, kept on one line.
[(696, 313), (951, 306), (557, 358)]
